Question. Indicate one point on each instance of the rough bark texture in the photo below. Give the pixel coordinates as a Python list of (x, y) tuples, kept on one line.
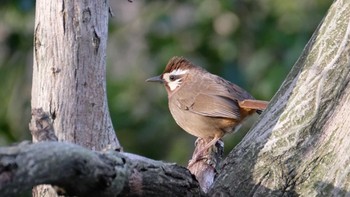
[(76, 171), (205, 169), (69, 73), (69, 70), (121, 174), (301, 145)]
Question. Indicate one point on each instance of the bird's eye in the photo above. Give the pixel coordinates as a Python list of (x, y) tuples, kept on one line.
[(172, 78)]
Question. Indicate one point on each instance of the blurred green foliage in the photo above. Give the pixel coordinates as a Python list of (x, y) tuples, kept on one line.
[(251, 43)]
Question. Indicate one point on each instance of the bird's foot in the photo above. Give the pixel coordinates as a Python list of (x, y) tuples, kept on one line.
[(195, 159)]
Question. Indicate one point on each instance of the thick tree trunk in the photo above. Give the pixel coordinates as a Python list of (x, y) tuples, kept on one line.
[(69, 71), (301, 145)]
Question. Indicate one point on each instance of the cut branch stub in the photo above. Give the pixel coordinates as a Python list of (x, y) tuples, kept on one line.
[(205, 169), (41, 127)]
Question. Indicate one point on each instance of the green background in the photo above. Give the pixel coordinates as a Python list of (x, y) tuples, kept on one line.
[(251, 43)]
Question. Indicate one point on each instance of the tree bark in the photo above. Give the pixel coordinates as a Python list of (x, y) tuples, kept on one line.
[(76, 171), (300, 147), (204, 169), (69, 73), (69, 70)]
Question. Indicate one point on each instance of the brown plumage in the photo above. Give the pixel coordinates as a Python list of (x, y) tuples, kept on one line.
[(176, 63), (203, 104)]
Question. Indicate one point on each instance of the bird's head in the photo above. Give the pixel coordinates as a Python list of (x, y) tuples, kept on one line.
[(175, 74)]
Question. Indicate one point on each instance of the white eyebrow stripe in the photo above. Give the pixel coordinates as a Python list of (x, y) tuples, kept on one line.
[(178, 72)]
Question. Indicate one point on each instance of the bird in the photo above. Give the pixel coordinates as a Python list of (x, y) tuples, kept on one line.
[(203, 104)]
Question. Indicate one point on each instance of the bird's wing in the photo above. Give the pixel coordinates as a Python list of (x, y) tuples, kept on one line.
[(209, 98), (215, 97), (213, 106), (227, 89)]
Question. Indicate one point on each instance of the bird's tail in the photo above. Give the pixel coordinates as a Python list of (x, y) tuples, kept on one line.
[(258, 105)]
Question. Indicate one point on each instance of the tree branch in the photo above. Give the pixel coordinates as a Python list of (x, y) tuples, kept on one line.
[(300, 146), (80, 172), (205, 169)]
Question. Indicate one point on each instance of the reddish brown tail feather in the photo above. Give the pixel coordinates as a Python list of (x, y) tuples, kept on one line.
[(253, 104)]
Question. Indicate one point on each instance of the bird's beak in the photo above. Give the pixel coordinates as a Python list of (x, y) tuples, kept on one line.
[(155, 79)]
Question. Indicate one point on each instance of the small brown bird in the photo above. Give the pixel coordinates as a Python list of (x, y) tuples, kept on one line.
[(203, 104)]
